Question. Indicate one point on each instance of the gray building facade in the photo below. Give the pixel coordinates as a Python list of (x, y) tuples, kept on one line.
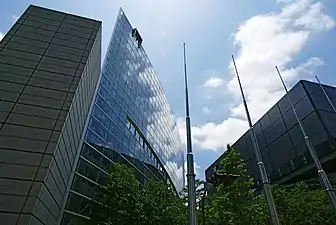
[(49, 69), (281, 142)]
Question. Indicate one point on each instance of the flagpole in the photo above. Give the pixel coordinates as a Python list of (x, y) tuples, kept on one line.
[(324, 180), (190, 158), (261, 166), (325, 94)]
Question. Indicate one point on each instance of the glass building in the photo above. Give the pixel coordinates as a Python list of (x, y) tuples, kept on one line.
[(281, 142), (131, 122)]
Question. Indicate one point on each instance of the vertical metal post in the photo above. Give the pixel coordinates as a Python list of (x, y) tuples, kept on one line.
[(190, 158), (261, 166), (322, 175), (326, 95)]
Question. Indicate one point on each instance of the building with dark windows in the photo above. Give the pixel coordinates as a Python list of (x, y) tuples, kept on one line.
[(49, 69), (281, 142), (131, 122)]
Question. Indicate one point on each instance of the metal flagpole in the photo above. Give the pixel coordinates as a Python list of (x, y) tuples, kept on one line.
[(325, 94), (322, 175), (190, 158), (261, 166)]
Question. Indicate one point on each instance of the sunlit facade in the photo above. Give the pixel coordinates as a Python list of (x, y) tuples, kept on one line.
[(131, 122)]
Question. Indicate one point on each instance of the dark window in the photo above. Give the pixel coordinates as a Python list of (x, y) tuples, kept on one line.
[(269, 135), (319, 137), (321, 102), (274, 113), (312, 124), (296, 135), (240, 146), (329, 119), (261, 141), (279, 127), (312, 88), (323, 148), (289, 119), (257, 128), (297, 93), (249, 144), (304, 108), (265, 122), (284, 105), (267, 160)]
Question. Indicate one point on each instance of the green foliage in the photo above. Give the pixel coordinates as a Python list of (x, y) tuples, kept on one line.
[(227, 203), (235, 203), (122, 201), (161, 206), (199, 188), (117, 202), (298, 205)]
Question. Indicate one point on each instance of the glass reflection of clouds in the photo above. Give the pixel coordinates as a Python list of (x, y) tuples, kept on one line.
[(130, 88)]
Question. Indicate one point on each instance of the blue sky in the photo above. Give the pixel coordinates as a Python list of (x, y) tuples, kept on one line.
[(296, 35)]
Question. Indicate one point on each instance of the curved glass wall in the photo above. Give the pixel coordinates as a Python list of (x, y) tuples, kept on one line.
[(131, 114)]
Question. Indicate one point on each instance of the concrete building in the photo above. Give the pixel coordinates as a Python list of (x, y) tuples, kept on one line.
[(49, 67)]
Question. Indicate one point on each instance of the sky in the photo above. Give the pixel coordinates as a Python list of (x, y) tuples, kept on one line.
[(295, 35)]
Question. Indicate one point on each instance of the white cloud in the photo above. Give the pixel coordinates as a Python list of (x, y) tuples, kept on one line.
[(263, 42), (312, 18), (216, 136), (1, 36), (206, 110), (213, 82), (181, 126)]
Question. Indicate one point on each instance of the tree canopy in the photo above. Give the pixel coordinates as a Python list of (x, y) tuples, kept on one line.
[(236, 203), (123, 201)]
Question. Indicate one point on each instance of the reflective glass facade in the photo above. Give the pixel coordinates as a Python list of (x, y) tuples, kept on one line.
[(281, 142), (130, 89), (131, 123)]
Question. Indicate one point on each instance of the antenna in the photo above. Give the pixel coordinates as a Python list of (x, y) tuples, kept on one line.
[(190, 158), (261, 166), (322, 175)]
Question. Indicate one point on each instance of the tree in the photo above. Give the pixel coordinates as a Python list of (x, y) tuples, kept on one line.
[(162, 206), (227, 204), (236, 204), (199, 193), (199, 188), (117, 202), (122, 201), (298, 205)]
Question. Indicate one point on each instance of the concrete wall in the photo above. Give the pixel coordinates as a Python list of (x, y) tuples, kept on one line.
[(49, 67)]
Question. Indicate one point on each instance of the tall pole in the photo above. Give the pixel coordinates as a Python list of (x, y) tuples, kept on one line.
[(322, 175), (190, 158), (325, 94), (261, 166)]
